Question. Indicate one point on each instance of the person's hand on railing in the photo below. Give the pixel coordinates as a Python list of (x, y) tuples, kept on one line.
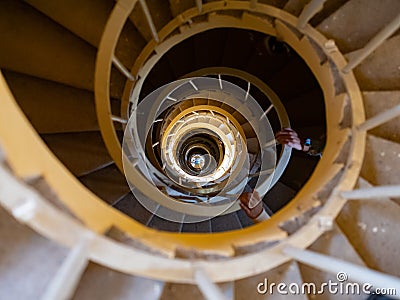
[(288, 136), (252, 205)]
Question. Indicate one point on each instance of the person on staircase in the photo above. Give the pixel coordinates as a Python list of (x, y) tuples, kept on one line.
[(251, 202), (313, 147)]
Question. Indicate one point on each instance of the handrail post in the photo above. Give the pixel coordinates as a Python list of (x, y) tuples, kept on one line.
[(122, 68), (380, 119), (309, 11), (149, 19), (344, 270), (67, 277), (208, 288), (372, 45), (119, 119), (372, 192), (199, 4)]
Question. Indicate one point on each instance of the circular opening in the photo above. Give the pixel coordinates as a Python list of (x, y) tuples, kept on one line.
[(276, 64), (200, 154)]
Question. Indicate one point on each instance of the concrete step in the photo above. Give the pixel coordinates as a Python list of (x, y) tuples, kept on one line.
[(382, 161), (225, 223), (54, 54), (372, 228), (248, 129), (279, 196), (160, 14), (130, 206), (107, 183), (330, 6), (99, 282), (161, 223), (81, 153), (363, 183), (295, 7), (74, 16), (43, 101), (287, 273), (352, 33), (380, 71), (204, 226), (239, 117), (178, 291), (299, 169), (335, 244), (245, 221), (28, 261), (377, 102), (177, 6), (252, 145)]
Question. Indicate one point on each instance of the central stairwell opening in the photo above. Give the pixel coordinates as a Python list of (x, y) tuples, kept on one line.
[(81, 81)]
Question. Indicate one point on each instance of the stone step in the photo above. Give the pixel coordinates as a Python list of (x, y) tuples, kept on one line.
[(372, 228), (287, 273), (295, 7), (107, 183), (99, 282), (330, 7), (160, 14), (178, 6), (279, 196), (382, 161), (130, 206), (81, 153), (381, 70), (74, 16), (225, 223), (52, 48), (204, 226), (335, 244), (352, 33), (376, 102), (52, 107), (28, 261)]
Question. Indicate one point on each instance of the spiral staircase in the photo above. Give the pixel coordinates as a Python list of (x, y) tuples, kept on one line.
[(75, 73)]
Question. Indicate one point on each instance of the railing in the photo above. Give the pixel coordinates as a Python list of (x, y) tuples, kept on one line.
[(275, 104), (168, 38), (195, 89)]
